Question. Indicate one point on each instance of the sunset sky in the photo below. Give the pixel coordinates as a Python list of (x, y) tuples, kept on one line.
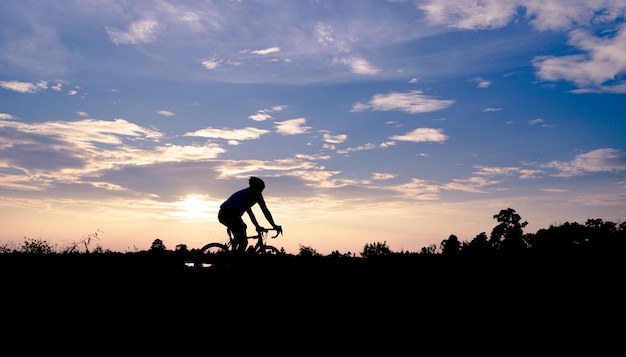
[(370, 121)]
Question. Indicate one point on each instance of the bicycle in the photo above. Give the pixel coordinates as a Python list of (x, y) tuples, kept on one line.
[(213, 250)]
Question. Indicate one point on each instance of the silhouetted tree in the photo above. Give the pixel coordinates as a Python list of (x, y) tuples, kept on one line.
[(600, 233), (451, 246), (36, 246), (558, 239), (157, 246), (507, 236), (375, 250), (478, 246), (306, 251), (429, 250), (337, 254)]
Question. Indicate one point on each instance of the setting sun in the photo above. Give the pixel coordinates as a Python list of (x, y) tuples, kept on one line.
[(193, 208)]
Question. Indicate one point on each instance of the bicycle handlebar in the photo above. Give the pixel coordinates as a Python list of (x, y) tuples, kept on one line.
[(278, 231)]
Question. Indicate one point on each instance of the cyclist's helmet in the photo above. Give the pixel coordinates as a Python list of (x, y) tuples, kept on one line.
[(256, 182)]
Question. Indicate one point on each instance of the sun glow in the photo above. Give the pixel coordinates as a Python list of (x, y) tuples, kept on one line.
[(194, 208)]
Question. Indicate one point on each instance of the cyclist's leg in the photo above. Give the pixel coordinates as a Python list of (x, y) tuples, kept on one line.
[(237, 228)]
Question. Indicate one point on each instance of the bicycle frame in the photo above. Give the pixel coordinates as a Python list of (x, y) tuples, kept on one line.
[(261, 246)]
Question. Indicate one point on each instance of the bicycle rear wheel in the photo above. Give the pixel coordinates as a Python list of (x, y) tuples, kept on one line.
[(214, 248)]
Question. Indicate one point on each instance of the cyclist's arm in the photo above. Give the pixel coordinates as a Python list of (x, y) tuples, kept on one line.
[(253, 218), (267, 213)]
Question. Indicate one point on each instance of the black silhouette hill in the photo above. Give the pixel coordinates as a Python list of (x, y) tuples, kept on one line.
[(527, 295)]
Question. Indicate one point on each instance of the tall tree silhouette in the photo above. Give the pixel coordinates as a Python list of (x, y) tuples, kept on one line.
[(451, 246), (508, 235)]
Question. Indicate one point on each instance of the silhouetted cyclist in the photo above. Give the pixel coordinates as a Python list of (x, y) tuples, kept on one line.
[(231, 212)]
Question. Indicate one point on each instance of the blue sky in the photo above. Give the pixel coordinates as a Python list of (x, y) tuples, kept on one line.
[(371, 121)]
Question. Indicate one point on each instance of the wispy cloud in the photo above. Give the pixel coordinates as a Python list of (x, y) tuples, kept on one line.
[(266, 51), (359, 65), (420, 135), (248, 133), (379, 176), (368, 146), (473, 15), (601, 160), (412, 102), (211, 63), (265, 114), (536, 121), (292, 126), (335, 139), (602, 62), (544, 15), (24, 87), (143, 31), (166, 113), (6, 116), (482, 83), (51, 153)]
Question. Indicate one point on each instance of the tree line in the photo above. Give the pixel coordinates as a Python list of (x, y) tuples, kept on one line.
[(506, 238)]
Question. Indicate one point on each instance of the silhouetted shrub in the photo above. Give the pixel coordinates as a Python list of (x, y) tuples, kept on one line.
[(375, 250)]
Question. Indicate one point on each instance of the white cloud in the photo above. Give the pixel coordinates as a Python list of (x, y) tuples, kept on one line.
[(418, 189), (143, 31), (565, 14), (335, 139), (601, 160), (368, 146), (604, 60), (6, 116), (542, 14), (211, 63), (422, 135), (485, 14), (166, 113), (553, 190), (264, 114), (72, 150), (378, 176), (360, 66), (325, 35), (260, 116), (229, 134), (24, 87), (292, 126), (528, 174), (482, 83), (266, 51), (472, 184), (412, 102)]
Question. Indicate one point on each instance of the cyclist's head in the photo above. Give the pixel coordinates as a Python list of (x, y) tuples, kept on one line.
[(256, 183)]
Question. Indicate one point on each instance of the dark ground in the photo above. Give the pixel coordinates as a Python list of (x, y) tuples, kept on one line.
[(101, 306)]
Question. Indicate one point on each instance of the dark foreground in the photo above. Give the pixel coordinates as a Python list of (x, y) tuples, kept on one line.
[(148, 306)]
